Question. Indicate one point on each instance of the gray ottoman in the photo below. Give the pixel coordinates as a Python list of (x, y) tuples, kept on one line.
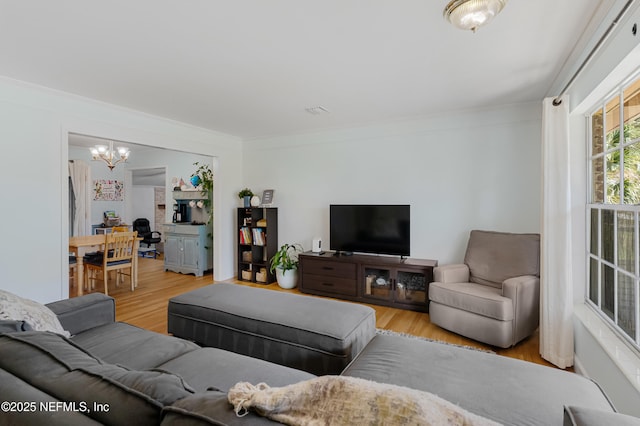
[(316, 335)]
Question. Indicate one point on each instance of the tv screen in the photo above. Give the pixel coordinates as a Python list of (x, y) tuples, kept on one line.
[(380, 229)]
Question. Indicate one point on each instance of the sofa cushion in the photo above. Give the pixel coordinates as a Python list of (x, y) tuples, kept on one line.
[(493, 257), (82, 313), (583, 416), (39, 317), (506, 390), (479, 299), (230, 368), (207, 408), (14, 389), (67, 372), (131, 346)]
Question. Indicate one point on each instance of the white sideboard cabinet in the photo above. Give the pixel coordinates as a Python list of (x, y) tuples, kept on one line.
[(188, 248)]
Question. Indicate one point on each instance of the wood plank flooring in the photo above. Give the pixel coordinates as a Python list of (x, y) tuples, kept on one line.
[(146, 307)]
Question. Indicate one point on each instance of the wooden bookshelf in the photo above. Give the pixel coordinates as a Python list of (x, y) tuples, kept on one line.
[(257, 242)]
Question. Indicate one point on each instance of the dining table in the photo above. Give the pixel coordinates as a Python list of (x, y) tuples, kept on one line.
[(83, 244)]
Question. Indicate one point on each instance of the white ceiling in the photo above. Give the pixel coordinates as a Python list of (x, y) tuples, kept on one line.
[(251, 67)]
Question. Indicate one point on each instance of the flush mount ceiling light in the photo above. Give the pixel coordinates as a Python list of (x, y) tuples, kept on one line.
[(471, 14), (109, 155)]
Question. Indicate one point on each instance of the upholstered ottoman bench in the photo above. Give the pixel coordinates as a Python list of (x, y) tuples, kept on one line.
[(312, 334)]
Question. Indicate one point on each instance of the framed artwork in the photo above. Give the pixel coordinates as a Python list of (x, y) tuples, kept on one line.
[(108, 190), (267, 197)]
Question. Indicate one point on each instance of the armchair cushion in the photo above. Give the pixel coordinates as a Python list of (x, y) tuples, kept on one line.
[(479, 299), (493, 257)]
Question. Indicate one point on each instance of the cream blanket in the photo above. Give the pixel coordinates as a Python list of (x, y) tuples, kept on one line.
[(338, 400)]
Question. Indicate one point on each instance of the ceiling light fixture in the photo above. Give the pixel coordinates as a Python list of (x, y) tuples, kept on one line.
[(471, 14), (108, 155)]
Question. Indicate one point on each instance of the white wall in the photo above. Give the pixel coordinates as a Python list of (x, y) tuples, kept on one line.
[(458, 171), (34, 127), (144, 204)]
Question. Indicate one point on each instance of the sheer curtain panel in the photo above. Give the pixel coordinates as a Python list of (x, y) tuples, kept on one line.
[(80, 174), (556, 294)]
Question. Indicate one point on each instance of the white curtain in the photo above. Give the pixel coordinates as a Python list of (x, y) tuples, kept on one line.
[(80, 174), (556, 284)]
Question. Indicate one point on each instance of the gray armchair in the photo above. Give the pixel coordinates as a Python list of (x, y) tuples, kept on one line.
[(494, 297)]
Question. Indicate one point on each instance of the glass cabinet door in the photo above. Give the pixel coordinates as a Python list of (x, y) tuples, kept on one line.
[(411, 287), (377, 283)]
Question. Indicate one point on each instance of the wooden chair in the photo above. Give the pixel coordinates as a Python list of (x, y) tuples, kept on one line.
[(118, 256), (73, 268), (120, 229)]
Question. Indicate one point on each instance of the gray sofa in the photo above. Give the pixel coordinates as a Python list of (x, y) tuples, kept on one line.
[(113, 373)]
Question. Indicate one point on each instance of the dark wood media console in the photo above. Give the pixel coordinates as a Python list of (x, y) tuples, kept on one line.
[(380, 280)]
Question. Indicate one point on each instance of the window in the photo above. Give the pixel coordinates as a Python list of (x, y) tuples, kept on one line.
[(613, 210)]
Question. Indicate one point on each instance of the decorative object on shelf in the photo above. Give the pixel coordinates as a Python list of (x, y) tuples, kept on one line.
[(174, 184), (192, 203), (195, 181), (267, 197), (246, 195), (200, 204), (109, 155), (255, 201), (285, 263), (471, 14)]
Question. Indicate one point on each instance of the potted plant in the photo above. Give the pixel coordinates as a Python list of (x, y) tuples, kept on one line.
[(285, 263), (246, 195), (202, 178)]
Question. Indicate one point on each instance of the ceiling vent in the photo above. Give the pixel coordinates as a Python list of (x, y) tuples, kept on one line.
[(317, 110)]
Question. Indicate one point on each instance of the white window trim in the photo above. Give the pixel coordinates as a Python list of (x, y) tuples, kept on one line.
[(626, 359)]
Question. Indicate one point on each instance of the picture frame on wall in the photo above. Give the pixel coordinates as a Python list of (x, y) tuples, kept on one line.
[(267, 197)]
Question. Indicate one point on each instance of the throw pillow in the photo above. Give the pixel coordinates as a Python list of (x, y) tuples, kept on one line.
[(338, 400), (38, 316)]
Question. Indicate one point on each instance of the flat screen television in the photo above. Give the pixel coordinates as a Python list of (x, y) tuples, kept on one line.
[(379, 229)]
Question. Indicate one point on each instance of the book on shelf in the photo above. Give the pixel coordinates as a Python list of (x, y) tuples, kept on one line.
[(245, 236), (258, 237)]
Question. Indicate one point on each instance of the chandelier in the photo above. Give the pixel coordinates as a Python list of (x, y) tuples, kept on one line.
[(471, 14), (109, 155)]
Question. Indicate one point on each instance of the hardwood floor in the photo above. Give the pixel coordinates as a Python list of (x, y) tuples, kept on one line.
[(146, 307)]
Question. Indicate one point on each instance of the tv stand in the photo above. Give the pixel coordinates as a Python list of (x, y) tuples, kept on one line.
[(343, 253), (390, 281)]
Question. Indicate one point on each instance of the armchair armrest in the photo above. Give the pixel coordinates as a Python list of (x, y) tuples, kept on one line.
[(523, 286), (455, 273), (524, 291), (82, 313)]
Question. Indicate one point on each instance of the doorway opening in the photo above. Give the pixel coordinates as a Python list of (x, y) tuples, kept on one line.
[(147, 181)]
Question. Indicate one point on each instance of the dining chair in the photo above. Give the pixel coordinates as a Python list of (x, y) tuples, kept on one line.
[(120, 229), (73, 268), (118, 255)]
